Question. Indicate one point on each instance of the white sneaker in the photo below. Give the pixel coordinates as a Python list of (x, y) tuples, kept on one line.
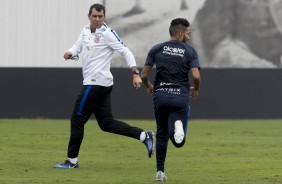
[(160, 176), (178, 132)]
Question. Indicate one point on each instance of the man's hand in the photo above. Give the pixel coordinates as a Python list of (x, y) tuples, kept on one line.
[(67, 55), (137, 82), (194, 93), (150, 89)]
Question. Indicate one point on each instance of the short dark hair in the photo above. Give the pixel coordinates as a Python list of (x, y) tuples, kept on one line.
[(98, 7), (177, 25)]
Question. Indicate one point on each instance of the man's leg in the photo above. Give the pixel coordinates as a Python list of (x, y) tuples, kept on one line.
[(161, 149), (80, 115), (103, 114), (161, 115), (178, 121)]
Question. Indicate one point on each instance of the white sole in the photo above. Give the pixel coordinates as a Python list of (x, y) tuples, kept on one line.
[(178, 132)]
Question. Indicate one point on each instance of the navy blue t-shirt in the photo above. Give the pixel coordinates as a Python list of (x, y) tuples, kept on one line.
[(173, 60)]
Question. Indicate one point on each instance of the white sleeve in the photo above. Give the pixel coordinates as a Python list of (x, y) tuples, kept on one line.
[(77, 47), (116, 44)]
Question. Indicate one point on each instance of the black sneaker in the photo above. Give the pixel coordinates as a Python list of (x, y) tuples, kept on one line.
[(66, 165), (149, 142)]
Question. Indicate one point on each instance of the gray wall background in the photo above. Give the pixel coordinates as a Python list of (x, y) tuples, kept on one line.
[(225, 94), (36, 82), (226, 34), (36, 33)]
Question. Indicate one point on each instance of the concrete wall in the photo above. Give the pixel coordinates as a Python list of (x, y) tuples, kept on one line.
[(36, 33), (35, 81), (225, 94)]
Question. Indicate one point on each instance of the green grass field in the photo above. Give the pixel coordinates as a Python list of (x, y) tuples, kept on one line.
[(216, 151)]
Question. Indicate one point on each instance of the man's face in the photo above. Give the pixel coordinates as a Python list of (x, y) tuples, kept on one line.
[(186, 35), (96, 18)]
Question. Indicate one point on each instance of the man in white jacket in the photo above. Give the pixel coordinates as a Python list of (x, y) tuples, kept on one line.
[(98, 43)]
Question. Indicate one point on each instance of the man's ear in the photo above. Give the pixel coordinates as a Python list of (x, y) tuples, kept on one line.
[(180, 35)]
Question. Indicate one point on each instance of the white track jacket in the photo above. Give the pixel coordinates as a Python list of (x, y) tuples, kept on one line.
[(98, 49)]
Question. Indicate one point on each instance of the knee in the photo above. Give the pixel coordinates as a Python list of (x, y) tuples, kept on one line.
[(162, 136), (104, 124), (77, 123), (78, 120)]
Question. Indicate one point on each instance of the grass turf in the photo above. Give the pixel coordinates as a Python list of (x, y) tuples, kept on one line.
[(216, 151)]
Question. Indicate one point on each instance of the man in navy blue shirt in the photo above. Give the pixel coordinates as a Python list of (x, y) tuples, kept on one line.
[(174, 60)]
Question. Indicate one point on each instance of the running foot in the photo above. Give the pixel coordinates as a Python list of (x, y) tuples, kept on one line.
[(149, 142), (66, 165), (160, 176), (178, 132)]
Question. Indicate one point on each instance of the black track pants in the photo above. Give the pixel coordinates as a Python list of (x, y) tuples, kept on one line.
[(167, 111), (95, 100)]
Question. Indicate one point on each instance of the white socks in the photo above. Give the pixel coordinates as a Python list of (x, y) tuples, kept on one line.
[(73, 160), (142, 136)]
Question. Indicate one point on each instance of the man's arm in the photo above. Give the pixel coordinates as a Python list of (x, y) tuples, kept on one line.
[(116, 44), (76, 48), (145, 78), (137, 82), (194, 91)]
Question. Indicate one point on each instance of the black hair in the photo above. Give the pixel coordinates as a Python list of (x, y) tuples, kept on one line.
[(98, 7), (177, 25)]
